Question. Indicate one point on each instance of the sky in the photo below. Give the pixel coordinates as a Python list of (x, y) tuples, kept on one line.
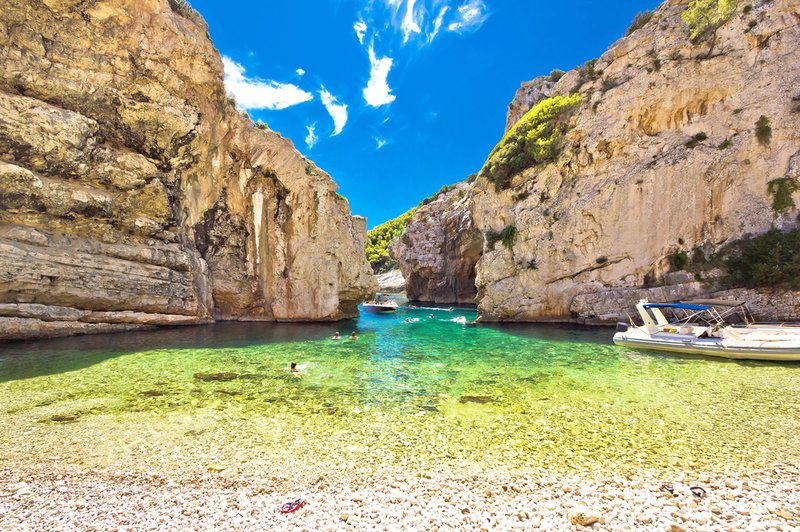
[(395, 98)]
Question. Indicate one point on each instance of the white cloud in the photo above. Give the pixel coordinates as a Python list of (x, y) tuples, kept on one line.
[(311, 138), (300, 72), (251, 93), (379, 142), (437, 24), (409, 24), (361, 30), (470, 16), (377, 91), (338, 111)]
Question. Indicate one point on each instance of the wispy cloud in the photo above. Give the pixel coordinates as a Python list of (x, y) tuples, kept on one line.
[(361, 30), (469, 17), (377, 91), (311, 138), (300, 72), (379, 142), (437, 24), (251, 93), (338, 111), (409, 24)]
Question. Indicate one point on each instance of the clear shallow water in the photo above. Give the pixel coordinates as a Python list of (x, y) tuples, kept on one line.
[(432, 393)]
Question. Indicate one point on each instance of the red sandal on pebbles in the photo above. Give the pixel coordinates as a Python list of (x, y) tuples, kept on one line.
[(292, 507)]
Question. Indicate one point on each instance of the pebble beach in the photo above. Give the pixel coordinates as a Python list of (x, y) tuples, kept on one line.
[(51, 498)]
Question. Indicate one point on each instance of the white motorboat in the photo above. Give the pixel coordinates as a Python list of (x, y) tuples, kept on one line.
[(699, 328), (381, 303)]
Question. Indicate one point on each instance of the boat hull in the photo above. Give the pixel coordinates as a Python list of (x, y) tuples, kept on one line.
[(709, 347), (379, 309)]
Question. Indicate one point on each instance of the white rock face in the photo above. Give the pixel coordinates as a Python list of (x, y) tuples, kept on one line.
[(627, 191)]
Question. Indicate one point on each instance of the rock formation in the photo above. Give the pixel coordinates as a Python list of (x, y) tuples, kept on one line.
[(439, 249), (671, 150), (132, 193), (528, 94)]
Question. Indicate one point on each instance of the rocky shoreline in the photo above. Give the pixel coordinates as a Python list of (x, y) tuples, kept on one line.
[(59, 498)]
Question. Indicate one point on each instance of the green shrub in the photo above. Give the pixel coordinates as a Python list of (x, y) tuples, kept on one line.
[(678, 261), (641, 18), (725, 144), (183, 7), (703, 17), (534, 139), (533, 265), (747, 9), (588, 72), (444, 190), (556, 75), (379, 238), (750, 25), (771, 260), (696, 139), (601, 260), (508, 236), (763, 131), (781, 190)]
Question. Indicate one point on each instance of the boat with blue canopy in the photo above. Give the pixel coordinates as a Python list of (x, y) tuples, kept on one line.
[(710, 327)]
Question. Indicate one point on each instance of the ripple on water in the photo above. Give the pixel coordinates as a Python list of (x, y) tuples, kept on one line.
[(427, 392)]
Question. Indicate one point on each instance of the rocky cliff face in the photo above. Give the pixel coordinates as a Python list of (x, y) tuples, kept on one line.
[(439, 249), (132, 193), (528, 94), (672, 150)]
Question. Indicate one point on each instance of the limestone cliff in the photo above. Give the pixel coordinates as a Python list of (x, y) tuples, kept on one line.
[(528, 94), (439, 248), (132, 193), (672, 149)]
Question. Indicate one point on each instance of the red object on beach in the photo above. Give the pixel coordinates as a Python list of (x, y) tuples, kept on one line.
[(291, 507)]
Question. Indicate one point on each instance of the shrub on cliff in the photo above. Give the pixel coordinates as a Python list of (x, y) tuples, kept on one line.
[(534, 139), (379, 238), (704, 16), (641, 18), (771, 260)]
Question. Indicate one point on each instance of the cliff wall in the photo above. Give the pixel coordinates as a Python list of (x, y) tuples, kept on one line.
[(132, 193), (672, 149)]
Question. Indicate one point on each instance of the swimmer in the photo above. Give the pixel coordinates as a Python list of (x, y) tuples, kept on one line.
[(336, 336), (353, 336), (430, 316), (295, 370), (408, 320)]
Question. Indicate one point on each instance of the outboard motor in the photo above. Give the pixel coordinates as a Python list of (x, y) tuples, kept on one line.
[(622, 326)]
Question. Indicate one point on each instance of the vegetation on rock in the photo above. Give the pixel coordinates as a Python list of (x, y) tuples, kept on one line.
[(781, 190), (556, 75), (379, 238), (696, 139), (508, 236), (534, 139), (771, 260), (703, 17), (763, 131), (641, 18), (444, 190)]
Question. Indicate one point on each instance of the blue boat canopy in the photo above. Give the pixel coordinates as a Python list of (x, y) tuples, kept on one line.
[(684, 306)]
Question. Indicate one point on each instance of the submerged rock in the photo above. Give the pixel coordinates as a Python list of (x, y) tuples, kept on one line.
[(480, 399), (223, 377)]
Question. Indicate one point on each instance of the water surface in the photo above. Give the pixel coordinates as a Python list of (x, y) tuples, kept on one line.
[(429, 393)]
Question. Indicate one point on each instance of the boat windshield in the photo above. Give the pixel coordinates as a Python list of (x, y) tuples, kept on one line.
[(704, 312)]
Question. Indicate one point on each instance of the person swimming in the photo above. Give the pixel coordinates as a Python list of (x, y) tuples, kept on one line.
[(408, 320), (353, 336), (336, 336), (293, 368), (430, 316)]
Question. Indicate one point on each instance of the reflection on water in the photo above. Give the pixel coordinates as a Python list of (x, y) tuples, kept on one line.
[(430, 390)]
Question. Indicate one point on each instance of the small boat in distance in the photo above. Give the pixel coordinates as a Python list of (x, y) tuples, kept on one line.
[(699, 328), (381, 303)]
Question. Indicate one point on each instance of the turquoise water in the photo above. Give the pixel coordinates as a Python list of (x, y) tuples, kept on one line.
[(431, 393)]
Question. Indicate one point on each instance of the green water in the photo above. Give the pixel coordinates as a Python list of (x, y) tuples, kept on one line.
[(431, 393)]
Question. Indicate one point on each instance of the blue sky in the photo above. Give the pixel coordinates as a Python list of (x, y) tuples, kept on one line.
[(395, 98)]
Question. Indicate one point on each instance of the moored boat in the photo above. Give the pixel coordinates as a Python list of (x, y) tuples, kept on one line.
[(381, 303), (699, 328)]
